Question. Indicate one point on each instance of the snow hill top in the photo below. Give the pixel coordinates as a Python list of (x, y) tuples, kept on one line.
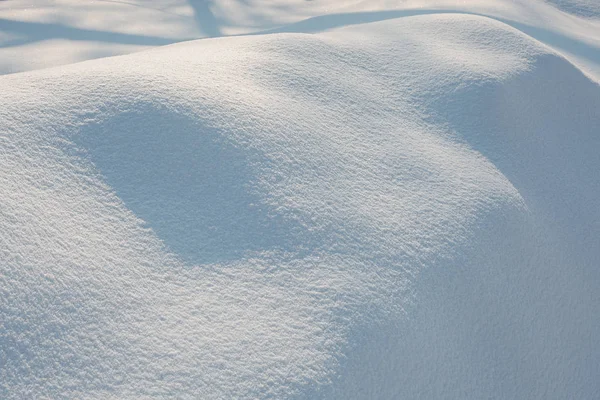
[(44, 33), (399, 209)]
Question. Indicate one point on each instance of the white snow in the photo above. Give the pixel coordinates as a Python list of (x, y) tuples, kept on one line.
[(379, 199), (43, 33)]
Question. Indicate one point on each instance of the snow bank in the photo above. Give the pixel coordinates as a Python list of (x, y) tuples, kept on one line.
[(59, 32), (403, 209)]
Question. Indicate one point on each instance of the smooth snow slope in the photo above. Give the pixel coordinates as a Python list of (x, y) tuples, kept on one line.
[(403, 209), (586, 8)]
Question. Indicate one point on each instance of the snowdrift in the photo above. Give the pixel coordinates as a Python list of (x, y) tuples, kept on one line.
[(401, 209), (50, 33)]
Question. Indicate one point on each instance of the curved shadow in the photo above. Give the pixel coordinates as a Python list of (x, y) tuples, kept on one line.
[(536, 290), (548, 146), (192, 187)]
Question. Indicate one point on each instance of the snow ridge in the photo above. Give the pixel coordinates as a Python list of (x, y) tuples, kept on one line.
[(303, 216)]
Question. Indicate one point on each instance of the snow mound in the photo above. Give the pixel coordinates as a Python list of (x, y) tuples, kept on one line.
[(406, 208), (51, 33)]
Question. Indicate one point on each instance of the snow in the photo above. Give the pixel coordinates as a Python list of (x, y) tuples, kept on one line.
[(45, 33), (376, 200), (585, 8)]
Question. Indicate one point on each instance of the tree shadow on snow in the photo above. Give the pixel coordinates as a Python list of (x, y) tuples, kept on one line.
[(205, 19), (30, 32)]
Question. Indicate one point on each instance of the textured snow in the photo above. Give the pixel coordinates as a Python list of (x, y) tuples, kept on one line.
[(407, 208), (46, 33)]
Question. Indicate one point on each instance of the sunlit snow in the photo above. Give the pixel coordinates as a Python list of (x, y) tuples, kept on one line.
[(314, 199)]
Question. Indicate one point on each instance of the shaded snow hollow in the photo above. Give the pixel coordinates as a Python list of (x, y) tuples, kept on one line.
[(403, 209)]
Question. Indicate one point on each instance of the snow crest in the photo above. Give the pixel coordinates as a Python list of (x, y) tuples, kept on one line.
[(387, 210)]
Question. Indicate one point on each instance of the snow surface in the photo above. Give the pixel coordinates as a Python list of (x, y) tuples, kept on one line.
[(586, 8), (397, 205), (37, 34)]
